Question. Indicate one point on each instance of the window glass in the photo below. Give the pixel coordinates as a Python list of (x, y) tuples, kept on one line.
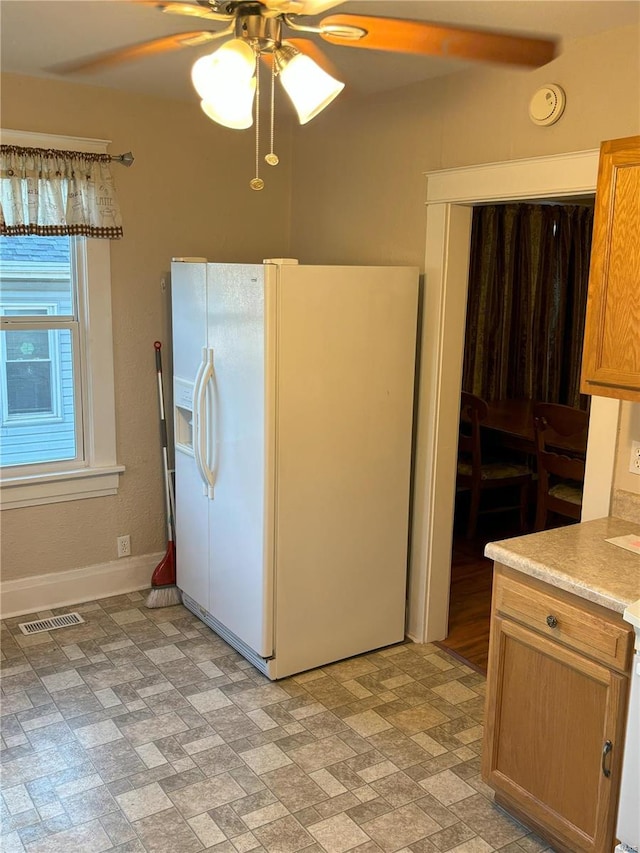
[(38, 372)]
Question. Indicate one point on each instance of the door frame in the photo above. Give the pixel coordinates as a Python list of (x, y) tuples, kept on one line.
[(451, 196)]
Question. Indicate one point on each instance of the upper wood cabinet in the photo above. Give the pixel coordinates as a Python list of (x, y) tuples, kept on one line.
[(611, 354)]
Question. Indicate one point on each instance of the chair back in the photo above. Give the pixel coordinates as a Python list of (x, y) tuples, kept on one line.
[(473, 410), (477, 475), (561, 442), (561, 439)]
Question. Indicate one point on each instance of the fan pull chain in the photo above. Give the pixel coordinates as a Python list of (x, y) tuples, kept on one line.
[(272, 158), (257, 183)]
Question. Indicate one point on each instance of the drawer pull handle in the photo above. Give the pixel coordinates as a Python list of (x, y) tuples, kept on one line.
[(606, 750), (552, 622)]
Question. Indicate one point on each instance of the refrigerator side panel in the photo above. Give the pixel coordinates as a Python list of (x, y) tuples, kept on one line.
[(188, 295), (346, 362), (236, 318)]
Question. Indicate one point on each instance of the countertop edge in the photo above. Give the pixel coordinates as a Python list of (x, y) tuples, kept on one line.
[(580, 559), (543, 572)]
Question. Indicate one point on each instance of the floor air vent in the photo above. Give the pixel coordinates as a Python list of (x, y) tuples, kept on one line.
[(40, 625)]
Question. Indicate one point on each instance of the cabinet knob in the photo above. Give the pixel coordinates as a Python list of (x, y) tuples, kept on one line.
[(552, 622)]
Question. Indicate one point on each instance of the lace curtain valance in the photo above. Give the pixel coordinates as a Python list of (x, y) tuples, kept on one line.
[(53, 193)]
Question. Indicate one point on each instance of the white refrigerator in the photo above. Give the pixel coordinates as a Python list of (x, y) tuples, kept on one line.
[(293, 411)]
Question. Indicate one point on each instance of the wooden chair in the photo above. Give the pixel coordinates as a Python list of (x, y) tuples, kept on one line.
[(477, 474), (560, 468)]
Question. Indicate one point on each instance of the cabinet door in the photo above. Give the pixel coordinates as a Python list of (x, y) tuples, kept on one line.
[(611, 356), (550, 716)]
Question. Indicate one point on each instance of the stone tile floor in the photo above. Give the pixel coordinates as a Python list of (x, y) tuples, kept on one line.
[(141, 730)]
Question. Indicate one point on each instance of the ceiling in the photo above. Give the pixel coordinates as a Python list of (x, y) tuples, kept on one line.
[(37, 35)]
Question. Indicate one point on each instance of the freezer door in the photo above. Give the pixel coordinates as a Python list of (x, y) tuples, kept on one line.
[(192, 531), (188, 297), (188, 317), (239, 535)]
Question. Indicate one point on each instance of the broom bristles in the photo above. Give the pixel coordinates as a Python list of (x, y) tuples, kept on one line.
[(164, 596)]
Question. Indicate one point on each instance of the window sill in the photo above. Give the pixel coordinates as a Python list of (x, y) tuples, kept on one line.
[(72, 485)]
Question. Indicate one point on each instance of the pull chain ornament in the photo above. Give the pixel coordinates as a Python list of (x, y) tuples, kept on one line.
[(257, 183), (272, 158)]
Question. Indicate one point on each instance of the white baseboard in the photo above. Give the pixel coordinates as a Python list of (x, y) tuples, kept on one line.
[(60, 589)]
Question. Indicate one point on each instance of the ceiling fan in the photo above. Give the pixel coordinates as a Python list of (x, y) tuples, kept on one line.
[(228, 80)]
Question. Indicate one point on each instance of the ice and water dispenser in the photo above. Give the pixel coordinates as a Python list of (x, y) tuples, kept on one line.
[(183, 403)]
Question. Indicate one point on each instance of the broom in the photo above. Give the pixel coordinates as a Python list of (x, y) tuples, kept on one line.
[(164, 592)]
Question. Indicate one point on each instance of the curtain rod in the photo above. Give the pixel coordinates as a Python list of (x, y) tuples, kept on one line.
[(126, 159)]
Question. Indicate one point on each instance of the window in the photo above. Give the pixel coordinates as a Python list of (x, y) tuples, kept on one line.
[(40, 388), (57, 419)]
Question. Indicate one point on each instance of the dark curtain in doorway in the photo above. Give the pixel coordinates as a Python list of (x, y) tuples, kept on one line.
[(528, 279)]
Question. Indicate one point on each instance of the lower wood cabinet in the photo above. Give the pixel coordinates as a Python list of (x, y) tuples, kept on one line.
[(555, 714)]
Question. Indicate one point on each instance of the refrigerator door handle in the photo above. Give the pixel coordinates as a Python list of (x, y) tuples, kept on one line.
[(199, 428), (202, 437), (196, 416)]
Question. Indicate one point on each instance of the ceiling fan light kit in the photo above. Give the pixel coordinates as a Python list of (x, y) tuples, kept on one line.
[(228, 80)]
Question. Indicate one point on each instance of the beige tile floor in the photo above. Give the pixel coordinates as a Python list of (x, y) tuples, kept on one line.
[(141, 730)]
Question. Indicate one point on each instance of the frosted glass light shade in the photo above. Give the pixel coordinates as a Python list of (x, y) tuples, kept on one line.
[(310, 88), (225, 82)]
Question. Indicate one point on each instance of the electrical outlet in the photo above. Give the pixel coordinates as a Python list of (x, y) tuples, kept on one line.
[(124, 546), (634, 461)]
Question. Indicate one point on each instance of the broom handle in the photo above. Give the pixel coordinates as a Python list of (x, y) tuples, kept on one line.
[(168, 487)]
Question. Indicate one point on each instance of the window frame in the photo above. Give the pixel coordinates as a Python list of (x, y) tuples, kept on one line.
[(98, 473)]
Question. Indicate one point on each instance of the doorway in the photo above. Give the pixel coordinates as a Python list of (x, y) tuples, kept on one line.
[(451, 195), (526, 304)]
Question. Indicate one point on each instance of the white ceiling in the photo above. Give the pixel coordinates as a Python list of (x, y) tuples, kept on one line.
[(37, 35)]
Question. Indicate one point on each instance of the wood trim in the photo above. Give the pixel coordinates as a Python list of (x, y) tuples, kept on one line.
[(61, 589), (452, 191), (533, 177), (29, 139)]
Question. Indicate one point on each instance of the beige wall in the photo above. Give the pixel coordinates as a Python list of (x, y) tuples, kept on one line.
[(355, 195), (186, 194), (358, 173), (364, 165), (629, 431)]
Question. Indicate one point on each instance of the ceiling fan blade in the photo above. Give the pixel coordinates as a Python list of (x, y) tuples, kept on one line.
[(312, 50), (183, 8), (301, 7), (137, 51), (420, 37)]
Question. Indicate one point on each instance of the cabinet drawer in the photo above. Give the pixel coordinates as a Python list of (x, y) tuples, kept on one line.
[(574, 625)]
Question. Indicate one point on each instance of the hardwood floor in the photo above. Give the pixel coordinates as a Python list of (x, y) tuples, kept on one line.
[(471, 581)]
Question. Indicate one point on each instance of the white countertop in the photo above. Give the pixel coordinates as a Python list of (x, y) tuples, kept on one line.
[(578, 559)]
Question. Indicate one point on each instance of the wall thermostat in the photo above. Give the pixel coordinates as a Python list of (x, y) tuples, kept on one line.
[(547, 105)]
